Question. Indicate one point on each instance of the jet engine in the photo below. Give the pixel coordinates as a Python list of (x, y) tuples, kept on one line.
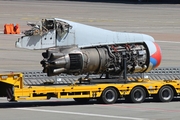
[(100, 59)]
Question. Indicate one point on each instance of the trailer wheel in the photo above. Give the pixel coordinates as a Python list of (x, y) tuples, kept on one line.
[(165, 94), (81, 100), (109, 96), (137, 95)]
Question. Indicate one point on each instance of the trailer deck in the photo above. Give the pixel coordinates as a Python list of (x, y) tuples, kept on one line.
[(133, 90)]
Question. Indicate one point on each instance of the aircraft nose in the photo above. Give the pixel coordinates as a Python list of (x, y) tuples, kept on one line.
[(156, 57)]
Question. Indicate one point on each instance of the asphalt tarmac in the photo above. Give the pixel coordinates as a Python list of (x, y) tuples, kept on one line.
[(158, 20)]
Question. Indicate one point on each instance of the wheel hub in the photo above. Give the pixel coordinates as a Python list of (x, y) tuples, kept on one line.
[(166, 94), (138, 95), (110, 96)]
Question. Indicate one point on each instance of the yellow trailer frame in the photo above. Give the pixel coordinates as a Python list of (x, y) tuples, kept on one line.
[(11, 86)]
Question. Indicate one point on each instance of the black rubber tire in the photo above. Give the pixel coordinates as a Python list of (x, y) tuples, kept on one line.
[(108, 96), (165, 94), (137, 95), (81, 100)]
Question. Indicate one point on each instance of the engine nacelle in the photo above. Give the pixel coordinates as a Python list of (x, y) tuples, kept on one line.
[(101, 59)]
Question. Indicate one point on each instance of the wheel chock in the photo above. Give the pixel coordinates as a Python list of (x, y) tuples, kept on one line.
[(6, 29), (11, 29), (17, 29)]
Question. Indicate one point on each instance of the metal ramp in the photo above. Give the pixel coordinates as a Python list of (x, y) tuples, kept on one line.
[(39, 78)]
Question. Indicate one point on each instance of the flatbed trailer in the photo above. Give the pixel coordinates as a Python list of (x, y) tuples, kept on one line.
[(135, 90)]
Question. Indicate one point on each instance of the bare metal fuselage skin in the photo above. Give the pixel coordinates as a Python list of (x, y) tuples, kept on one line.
[(76, 48)]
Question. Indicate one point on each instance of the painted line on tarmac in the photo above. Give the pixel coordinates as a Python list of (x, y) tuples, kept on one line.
[(167, 41), (142, 108), (79, 113)]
